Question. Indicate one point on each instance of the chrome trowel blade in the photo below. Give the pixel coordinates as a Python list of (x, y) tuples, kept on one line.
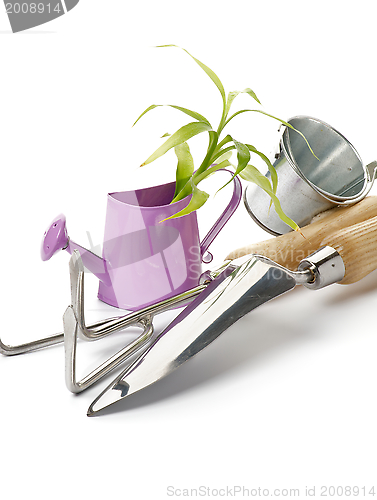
[(222, 303)]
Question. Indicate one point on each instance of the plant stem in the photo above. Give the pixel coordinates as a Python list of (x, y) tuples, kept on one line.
[(185, 191), (212, 153), (211, 170), (223, 142), (221, 152), (211, 148)]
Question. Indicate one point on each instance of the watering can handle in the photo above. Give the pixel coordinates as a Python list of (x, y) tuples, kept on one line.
[(222, 220)]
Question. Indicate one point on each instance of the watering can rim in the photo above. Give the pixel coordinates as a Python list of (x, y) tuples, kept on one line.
[(146, 207)]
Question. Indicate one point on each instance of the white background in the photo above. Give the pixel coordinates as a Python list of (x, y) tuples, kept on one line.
[(286, 397)]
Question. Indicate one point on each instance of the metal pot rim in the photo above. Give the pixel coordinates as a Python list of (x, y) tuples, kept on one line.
[(339, 200)]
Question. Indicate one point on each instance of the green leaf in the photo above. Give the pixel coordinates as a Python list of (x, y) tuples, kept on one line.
[(271, 168), (252, 174), (235, 93), (189, 112), (287, 125), (146, 111), (222, 143), (231, 96), (223, 154), (213, 138), (211, 170), (186, 190), (252, 94), (185, 166), (275, 118), (193, 114), (206, 69), (243, 157), (198, 199), (236, 114), (198, 177), (181, 135)]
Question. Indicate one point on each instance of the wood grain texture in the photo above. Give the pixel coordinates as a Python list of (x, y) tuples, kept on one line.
[(351, 230), (357, 246)]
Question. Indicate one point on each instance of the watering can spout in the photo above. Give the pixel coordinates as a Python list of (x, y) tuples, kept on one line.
[(56, 238)]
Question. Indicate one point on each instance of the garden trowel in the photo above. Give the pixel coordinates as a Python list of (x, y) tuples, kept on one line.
[(256, 280)]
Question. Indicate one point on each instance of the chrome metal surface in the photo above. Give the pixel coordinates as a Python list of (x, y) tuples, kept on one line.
[(371, 169), (72, 330), (99, 329), (237, 288), (253, 283), (308, 186), (301, 276), (338, 174), (326, 265), (12, 350), (226, 299), (74, 326)]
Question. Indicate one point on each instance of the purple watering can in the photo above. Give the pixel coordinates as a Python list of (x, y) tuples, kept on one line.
[(145, 258)]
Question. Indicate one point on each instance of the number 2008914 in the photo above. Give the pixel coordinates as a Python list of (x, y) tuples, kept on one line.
[(32, 8)]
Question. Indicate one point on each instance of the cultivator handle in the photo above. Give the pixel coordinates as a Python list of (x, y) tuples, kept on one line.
[(352, 231)]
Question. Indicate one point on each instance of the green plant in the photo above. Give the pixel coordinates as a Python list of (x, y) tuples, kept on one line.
[(218, 153)]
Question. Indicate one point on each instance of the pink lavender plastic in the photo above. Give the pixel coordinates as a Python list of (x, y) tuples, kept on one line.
[(145, 258), (91, 261), (224, 217), (149, 260), (55, 238)]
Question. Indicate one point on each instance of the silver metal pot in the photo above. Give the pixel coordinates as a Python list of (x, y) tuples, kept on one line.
[(308, 186)]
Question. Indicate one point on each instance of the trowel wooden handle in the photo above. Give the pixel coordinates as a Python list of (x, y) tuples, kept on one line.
[(352, 231), (357, 245)]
